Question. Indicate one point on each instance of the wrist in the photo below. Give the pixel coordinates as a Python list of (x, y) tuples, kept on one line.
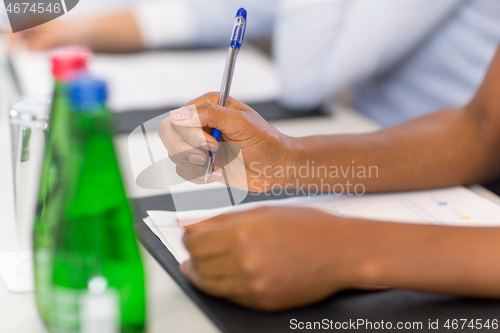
[(294, 160), (367, 272), (362, 261)]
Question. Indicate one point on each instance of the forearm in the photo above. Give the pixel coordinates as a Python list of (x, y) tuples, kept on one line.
[(460, 261), (115, 33), (442, 149)]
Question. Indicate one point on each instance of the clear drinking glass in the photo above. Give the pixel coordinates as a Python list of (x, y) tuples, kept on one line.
[(29, 117)]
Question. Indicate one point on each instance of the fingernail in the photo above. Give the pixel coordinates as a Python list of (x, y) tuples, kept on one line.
[(212, 146), (196, 159), (180, 114), (218, 176)]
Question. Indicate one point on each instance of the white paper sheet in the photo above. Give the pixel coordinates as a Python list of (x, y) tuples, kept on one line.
[(456, 206), (170, 233), (159, 79)]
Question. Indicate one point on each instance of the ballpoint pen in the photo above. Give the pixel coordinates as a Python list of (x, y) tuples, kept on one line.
[(234, 48)]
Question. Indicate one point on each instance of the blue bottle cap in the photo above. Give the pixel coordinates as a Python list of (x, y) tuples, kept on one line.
[(87, 93)]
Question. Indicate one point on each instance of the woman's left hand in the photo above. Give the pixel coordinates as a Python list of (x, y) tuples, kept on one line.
[(273, 258)]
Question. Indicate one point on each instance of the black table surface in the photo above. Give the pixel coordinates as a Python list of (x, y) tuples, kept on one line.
[(126, 122), (394, 306)]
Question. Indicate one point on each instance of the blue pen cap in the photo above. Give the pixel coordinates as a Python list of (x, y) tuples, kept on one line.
[(87, 93), (242, 12), (240, 24)]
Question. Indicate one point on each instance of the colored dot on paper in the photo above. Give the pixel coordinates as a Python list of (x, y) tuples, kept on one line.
[(442, 203), (465, 217)]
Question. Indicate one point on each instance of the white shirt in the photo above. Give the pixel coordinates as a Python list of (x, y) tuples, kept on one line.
[(404, 58), (200, 22)]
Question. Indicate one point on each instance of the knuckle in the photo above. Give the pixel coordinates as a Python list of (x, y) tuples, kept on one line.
[(207, 111), (249, 265), (244, 235), (210, 96), (259, 288), (213, 96), (205, 107)]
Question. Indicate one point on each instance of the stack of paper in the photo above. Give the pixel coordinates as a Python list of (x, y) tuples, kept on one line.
[(456, 206)]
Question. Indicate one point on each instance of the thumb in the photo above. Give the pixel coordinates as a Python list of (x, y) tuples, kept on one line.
[(226, 120)]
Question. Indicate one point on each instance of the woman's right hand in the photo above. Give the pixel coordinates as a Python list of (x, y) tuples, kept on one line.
[(254, 154)]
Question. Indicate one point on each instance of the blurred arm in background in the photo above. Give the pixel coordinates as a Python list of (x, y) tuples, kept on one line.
[(153, 24)]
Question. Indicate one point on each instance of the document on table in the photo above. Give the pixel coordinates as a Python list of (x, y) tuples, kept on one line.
[(158, 79), (456, 206)]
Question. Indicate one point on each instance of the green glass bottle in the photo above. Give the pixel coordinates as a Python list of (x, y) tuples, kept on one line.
[(98, 277), (67, 63)]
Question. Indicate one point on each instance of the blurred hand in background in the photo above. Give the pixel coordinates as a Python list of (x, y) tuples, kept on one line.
[(113, 33), (138, 25)]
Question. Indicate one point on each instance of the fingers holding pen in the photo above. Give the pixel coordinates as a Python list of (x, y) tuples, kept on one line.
[(188, 143), (213, 98), (178, 148), (185, 121), (209, 115), (197, 137), (187, 148), (185, 136)]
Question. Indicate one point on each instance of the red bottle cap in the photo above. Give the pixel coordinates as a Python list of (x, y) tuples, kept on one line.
[(69, 61)]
